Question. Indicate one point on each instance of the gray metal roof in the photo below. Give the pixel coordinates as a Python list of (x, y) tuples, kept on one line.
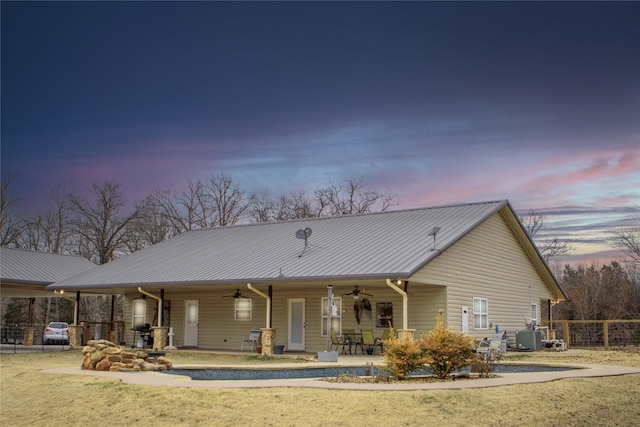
[(39, 268), (376, 245)]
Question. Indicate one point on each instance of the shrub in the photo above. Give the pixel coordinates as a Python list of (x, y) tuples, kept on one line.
[(446, 351), (485, 364), (402, 355)]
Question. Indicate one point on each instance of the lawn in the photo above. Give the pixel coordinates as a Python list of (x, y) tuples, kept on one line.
[(29, 397)]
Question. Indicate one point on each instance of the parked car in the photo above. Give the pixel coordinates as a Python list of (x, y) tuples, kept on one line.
[(56, 332)]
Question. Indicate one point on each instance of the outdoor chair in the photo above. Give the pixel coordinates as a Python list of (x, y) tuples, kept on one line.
[(491, 346), (335, 341), (368, 340), (253, 339), (385, 336), (349, 335)]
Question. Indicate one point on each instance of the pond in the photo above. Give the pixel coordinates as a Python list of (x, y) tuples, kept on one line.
[(328, 372)]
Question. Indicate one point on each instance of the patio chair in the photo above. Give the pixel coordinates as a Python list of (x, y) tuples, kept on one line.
[(385, 336), (491, 346), (335, 341), (349, 335), (253, 339), (368, 340)]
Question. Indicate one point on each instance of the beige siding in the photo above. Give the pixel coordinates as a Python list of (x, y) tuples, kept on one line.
[(218, 329), (487, 263)]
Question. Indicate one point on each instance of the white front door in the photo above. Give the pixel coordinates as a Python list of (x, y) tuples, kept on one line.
[(295, 335), (191, 323)]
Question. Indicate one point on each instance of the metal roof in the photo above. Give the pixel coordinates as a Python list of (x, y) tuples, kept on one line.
[(39, 268), (375, 245)]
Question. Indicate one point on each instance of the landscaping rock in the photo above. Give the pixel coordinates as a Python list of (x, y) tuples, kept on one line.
[(103, 355)]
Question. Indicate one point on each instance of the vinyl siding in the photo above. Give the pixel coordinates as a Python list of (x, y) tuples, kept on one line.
[(218, 329), (487, 263)]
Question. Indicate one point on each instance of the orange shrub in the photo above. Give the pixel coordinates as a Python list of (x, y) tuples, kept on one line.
[(402, 355), (446, 351)]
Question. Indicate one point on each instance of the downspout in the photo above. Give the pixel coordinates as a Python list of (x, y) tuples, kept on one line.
[(75, 304), (405, 304), (268, 298), (159, 303)]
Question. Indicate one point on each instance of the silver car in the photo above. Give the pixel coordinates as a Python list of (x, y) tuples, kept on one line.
[(56, 332)]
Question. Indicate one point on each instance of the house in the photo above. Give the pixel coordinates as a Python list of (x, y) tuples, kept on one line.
[(473, 265)]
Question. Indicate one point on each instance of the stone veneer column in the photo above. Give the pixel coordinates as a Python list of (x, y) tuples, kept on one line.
[(268, 339), (160, 334), (27, 339), (75, 336), (406, 333)]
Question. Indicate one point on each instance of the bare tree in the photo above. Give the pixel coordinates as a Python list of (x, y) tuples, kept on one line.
[(150, 227), (353, 197), (11, 226), (50, 230), (228, 200), (100, 221), (297, 205), (628, 241), (533, 223), (262, 207)]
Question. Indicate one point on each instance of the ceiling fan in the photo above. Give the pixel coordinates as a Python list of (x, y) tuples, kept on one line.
[(356, 293), (237, 294)]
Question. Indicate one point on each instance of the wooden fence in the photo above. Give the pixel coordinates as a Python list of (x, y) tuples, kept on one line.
[(596, 333)]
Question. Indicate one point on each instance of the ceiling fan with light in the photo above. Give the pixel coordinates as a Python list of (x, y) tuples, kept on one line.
[(357, 292), (237, 294)]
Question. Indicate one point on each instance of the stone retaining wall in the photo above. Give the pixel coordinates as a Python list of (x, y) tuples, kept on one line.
[(103, 355)]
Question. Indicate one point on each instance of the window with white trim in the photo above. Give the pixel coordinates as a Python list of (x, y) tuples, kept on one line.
[(139, 310), (336, 315), (534, 312), (480, 313), (243, 309)]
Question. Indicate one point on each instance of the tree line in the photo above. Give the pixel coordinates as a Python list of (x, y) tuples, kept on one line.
[(101, 225)]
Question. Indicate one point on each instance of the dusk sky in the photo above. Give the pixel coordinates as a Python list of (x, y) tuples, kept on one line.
[(441, 103)]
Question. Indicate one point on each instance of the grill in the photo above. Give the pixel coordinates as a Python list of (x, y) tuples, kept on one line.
[(142, 335)]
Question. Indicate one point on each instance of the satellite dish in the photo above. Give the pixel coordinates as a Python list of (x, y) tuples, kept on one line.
[(303, 234)]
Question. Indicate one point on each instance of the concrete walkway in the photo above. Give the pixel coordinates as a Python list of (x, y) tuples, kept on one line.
[(160, 379)]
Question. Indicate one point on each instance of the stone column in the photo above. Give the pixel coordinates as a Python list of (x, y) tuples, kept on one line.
[(160, 337), (75, 336), (406, 333), (268, 339), (28, 336)]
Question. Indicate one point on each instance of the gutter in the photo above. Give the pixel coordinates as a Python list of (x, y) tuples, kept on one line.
[(268, 298), (405, 303), (159, 303)]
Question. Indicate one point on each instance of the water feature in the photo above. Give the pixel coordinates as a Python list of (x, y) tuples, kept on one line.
[(327, 372)]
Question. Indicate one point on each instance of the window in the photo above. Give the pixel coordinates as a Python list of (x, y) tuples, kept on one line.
[(480, 313), (534, 312), (243, 309), (139, 310), (336, 315), (384, 314)]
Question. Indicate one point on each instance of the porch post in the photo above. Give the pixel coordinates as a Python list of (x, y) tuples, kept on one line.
[(75, 336), (268, 338), (160, 337)]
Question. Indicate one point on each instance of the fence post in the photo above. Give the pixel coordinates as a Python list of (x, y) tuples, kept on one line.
[(565, 333), (605, 327)]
